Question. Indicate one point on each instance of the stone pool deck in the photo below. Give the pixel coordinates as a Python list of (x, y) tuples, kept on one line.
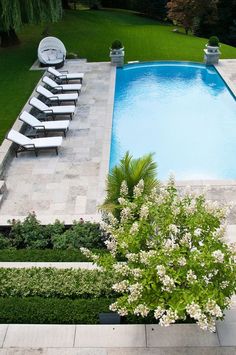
[(71, 185)]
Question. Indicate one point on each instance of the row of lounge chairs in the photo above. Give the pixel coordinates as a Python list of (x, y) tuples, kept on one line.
[(55, 92)]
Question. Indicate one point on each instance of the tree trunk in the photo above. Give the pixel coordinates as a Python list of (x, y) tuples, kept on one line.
[(65, 4), (186, 30), (9, 38)]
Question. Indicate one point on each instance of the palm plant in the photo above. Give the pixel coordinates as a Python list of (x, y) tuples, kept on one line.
[(131, 171)]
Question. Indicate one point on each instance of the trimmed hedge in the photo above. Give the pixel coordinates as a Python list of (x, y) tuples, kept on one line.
[(31, 234), (44, 255), (36, 310), (49, 282)]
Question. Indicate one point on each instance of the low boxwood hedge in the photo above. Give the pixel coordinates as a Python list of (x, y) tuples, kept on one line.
[(37, 310), (49, 282)]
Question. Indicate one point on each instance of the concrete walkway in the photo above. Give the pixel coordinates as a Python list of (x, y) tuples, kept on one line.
[(117, 339)]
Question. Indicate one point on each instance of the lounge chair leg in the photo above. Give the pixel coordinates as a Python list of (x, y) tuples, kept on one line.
[(64, 133), (56, 150), (36, 152)]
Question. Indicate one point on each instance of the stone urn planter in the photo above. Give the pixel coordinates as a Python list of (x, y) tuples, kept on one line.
[(212, 52), (117, 54)]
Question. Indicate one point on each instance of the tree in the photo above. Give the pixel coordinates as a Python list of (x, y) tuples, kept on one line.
[(65, 4), (187, 12), (15, 13), (130, 170), (224, 27), (153, 8)]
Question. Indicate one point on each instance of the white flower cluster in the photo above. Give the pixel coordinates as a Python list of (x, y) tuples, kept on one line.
[(122, 269), (89, 254), (144, 211), (191, 277), (207, 323), (111, 245), (137, 273), (146, 255), (113, 221), (121, 286), (114, 307), (161, 270), (167, 281), (159, 311), (124, 189), (132, 257), (186, 240), (168, 318), (138, 189), (182, 261), (86, 252), (135, 292), (134, 228), (191, 207), (213, 309), (218, 256), (194, 310), (125, 214), (197, 232), (170, 244), (224, 284), (141, 310), (173, 229)]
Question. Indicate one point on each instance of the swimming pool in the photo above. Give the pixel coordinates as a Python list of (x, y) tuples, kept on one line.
[(183, 112)]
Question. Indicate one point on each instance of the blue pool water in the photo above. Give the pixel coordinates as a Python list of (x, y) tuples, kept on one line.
[(183, 112)]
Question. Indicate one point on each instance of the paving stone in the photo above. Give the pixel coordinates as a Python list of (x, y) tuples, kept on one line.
[(36, 336), (43, 184), (175, 351), (105, 336), (3, 329), (227, 333), (179, 335)]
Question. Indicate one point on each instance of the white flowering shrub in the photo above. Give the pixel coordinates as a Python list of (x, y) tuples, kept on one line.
[(177, 264)]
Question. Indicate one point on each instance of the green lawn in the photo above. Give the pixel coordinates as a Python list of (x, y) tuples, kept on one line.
[(90, 33)]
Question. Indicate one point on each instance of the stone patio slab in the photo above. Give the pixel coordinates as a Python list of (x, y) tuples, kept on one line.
[(3, 330), (227, 333), (106, 336), (181, 335), (39, 336)]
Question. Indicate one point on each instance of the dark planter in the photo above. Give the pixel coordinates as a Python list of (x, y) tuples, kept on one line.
[(109, 318)]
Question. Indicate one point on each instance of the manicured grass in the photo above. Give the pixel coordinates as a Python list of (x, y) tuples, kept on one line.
[(45, 255), (90, 33)]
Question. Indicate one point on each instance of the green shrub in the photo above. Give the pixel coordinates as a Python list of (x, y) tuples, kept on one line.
[(36, 310), (31, 234), (4, 242), (116, 44), (49, 282), (84, 234), (213, 41)]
